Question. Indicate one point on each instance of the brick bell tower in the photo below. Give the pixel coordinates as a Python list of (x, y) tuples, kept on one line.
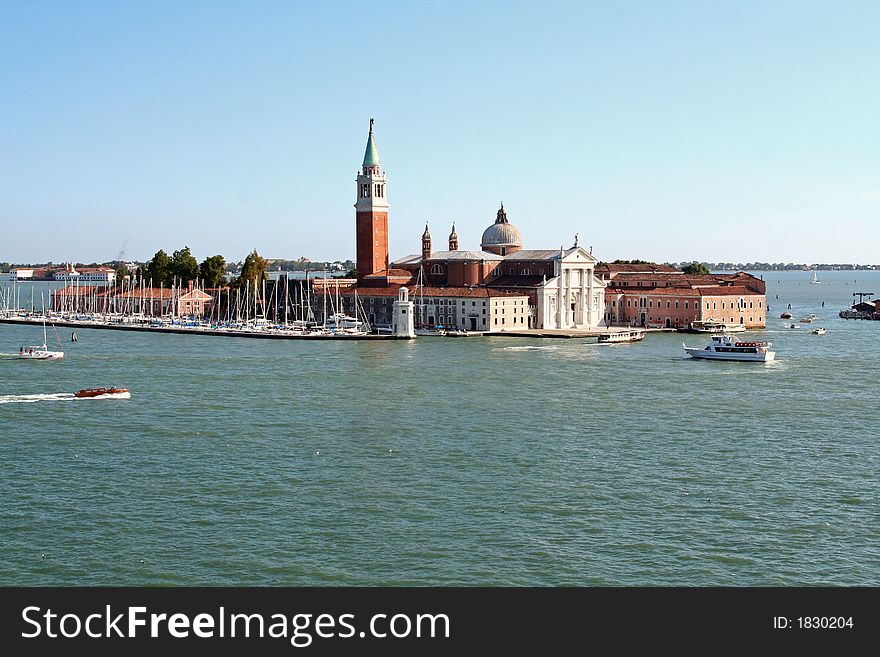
[(371, 212)]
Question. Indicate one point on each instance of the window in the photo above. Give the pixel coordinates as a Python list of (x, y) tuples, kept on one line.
[(436, 269), (496, 321), (526, 272), (669, 304), (676, 305)]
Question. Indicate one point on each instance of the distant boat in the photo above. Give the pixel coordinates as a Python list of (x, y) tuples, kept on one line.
[(41, 352), (815, 279), (819, 331), (622, 336), (119, 393), (707, 326), (785, 315), (795, 326)]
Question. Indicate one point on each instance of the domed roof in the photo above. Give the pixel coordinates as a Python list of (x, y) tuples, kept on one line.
[(501, 233)]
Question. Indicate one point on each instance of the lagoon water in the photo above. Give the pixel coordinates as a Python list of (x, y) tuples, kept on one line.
[(497, 461)]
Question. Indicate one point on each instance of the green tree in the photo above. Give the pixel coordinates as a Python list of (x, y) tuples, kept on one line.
[(159, 269), (121, 271), (213, 271), (184, 265), (255, 270), (695, 268)]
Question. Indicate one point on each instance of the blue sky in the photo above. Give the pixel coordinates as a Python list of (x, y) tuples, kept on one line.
[(721, 131)]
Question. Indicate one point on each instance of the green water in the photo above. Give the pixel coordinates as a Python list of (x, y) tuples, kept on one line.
[(500, 461)]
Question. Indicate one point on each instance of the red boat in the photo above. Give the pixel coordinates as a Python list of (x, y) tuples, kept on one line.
[(98, 392)]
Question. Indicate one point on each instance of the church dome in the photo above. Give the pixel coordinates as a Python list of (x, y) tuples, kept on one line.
[(501, 233)]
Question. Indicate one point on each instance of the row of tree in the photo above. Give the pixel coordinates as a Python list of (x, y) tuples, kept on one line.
[(181, 267)]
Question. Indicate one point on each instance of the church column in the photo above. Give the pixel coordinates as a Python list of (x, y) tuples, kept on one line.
[(591, 320), (560, 301), (583, 306)]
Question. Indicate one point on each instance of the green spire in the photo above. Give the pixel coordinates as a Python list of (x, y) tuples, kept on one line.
[(371, 155)]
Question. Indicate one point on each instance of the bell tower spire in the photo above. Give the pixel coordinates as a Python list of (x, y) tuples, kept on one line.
[(371, 212)]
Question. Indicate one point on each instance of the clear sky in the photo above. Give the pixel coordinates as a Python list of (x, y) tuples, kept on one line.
[(661, 130)]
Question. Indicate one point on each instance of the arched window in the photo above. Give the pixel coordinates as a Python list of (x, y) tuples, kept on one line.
[(526, 272), (436, 269)]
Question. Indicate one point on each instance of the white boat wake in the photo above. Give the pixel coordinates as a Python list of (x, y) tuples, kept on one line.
[(529, 348), (30, 399), (56, 396)]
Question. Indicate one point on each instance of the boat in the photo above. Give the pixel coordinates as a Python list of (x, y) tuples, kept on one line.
[(795, 326), (785, 315), (41, 352), (726, 347), (808, 319), (707, 326), (815, 278), (733, 328), (430, 330), (622, 336), (118, 393), (819, 331)]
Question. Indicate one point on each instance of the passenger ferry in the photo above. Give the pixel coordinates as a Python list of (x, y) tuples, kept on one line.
[(622, 336), (725, 347)]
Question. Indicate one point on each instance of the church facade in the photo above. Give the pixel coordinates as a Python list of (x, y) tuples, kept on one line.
[(501, 286)]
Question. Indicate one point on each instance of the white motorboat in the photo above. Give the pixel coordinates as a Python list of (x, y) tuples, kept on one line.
[(622, 336), (819, 331), (725, 347), (795, 326)]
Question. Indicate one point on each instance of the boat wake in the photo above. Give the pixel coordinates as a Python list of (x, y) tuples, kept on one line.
[(30, 399), (56, 396), (548, 347)]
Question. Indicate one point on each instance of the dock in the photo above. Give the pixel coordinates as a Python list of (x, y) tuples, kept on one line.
[(145, 328)]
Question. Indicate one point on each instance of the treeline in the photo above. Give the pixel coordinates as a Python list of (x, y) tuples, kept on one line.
[(181, 267), (783, 266), (304, 264)]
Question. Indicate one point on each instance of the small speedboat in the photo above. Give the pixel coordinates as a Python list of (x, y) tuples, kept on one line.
[(118, 393), (819, 331), (785, 316), (795, 326)]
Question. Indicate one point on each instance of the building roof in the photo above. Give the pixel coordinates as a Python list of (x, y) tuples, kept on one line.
[(465, 255), (371, 155), (645, 267), (428, 291), (536, 254)]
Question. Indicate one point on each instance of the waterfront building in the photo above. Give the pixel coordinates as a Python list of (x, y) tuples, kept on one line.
[(90, 275), (21, 274), (662, 296), (544, 288)]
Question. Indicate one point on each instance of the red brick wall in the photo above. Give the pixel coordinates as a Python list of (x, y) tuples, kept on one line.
[(372, 243)]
